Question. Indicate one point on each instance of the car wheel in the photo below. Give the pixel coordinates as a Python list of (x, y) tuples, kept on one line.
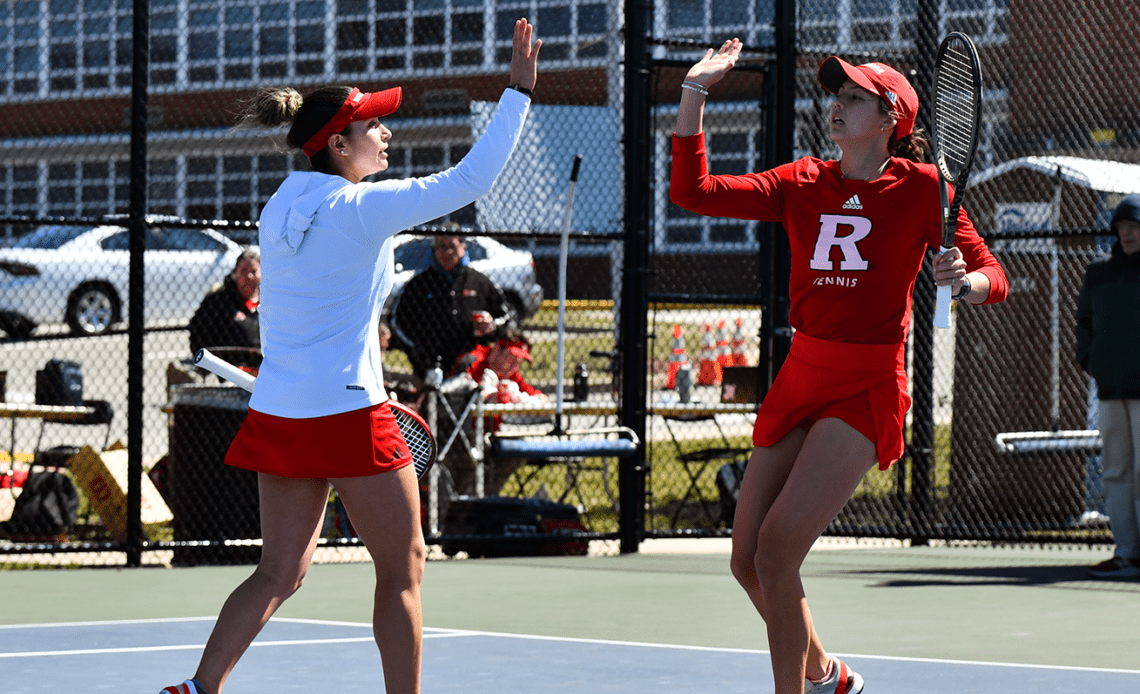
[(92, 310)]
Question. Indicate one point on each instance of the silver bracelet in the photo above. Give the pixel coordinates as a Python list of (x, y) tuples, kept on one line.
[(702, 92)]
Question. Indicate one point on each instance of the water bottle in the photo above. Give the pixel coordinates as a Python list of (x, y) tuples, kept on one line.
[(581, 383), (684, 383)]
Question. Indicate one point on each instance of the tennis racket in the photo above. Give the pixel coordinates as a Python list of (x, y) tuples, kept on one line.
[(415, 430), (956, 125)]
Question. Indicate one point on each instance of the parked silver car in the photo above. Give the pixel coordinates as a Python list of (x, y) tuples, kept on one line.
[(78, 275), (511, 270)]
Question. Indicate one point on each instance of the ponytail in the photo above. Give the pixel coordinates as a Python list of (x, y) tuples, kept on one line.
[(273, 107)]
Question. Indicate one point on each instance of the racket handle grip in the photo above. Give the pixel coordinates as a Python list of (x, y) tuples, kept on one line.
[(942, 302), (942, 308), (206, 359)]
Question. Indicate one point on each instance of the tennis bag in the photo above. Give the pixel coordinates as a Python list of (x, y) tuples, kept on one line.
[(505, 526), (60, 383), (728, 479), (47, 508)]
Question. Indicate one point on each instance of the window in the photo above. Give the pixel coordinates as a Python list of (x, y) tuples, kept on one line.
[(857, 25), (51, 237), (731, 150), (711, 20)]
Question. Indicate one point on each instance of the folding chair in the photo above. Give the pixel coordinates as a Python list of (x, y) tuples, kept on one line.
[(695, 462)]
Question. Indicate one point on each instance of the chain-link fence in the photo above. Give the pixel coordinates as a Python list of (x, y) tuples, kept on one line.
[(1059, 149)]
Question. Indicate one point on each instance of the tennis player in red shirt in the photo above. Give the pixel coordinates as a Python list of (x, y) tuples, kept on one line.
[(859, 229)]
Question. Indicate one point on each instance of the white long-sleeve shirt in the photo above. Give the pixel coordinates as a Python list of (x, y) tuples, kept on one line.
[(326, 265)]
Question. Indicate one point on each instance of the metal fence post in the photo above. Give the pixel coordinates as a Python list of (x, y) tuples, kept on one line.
[(138, 208), (634, 306)]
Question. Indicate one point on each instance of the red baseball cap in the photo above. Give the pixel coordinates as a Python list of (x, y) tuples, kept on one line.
[(358, 106), (877, 78)]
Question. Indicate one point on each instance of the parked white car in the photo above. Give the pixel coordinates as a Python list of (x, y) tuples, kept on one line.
[(511, 270), (78, 275)]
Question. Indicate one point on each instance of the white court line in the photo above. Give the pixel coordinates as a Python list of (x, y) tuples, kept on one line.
[(437, 632)]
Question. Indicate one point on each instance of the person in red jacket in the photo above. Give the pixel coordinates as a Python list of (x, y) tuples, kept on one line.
[(859, 229), (495, 368)]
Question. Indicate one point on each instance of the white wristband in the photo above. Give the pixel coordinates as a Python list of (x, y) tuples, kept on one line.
[(686, 85)]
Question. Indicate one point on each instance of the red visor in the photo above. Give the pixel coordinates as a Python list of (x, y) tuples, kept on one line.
[(358, 106)]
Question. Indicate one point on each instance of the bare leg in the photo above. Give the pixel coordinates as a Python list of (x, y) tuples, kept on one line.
[(385, 511), (764, 477), (832, 461), (292, 512)]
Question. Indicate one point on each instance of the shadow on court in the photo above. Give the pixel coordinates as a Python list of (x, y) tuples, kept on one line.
[(1061, 576)]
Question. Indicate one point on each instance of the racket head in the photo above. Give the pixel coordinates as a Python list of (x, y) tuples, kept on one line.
[(417, 435), (956, 122), (956, 104)]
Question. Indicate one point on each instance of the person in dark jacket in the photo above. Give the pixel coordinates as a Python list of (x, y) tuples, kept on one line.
[(227, 317), (447, 309), (1108, 348)]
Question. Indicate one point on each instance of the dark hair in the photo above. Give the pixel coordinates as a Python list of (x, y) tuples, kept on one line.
[(912, 146), (274, 107)]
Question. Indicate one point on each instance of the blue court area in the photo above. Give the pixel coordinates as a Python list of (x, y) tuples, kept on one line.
[(303, 655)]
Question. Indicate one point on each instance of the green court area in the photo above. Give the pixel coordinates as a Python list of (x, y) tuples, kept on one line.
[(962, 603)]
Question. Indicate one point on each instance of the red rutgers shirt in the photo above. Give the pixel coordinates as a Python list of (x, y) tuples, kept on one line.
[(857, 246)]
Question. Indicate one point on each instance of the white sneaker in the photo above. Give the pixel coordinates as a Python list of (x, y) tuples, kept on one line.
[(843, 680)]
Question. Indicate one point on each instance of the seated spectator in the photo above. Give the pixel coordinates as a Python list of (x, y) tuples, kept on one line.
[(447, 309), (227, 317), (399, 385), (496, 369)]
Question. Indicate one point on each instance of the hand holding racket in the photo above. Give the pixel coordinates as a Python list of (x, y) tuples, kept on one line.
[(416, 433), (956, 126)]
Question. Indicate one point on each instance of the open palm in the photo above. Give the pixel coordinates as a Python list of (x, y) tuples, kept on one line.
[(714, 66)]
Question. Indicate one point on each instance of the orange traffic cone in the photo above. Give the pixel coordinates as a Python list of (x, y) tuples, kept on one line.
[(723, 348), (678, 360), (708, 369), (738, 343)]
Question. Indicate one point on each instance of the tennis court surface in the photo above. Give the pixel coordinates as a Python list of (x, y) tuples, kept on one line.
[(929, 619)]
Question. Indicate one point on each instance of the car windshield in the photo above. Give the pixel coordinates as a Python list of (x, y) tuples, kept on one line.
[(51, 237)]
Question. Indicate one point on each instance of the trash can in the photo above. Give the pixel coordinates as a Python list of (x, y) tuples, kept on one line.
[(213, 504)]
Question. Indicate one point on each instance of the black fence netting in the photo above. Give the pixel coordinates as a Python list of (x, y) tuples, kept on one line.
[(992, 453), (1002, 440)]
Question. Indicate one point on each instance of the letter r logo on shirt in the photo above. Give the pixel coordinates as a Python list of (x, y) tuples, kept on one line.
[(829, 226)]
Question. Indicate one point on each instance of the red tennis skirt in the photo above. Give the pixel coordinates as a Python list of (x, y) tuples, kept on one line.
[(358, 443), (863, 385)]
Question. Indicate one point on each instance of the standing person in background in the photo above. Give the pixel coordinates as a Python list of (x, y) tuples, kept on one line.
[(859, 229), (447, 309), (318, 415), (1108, 348), (227, 317)]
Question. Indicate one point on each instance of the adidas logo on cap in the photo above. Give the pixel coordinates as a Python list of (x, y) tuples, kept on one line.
[(853, 203)]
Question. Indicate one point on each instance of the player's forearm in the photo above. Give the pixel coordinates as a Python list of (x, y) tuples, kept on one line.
[(690, 115), (979, 288)]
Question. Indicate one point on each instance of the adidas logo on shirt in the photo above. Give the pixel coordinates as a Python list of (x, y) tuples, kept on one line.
[(853, 203)]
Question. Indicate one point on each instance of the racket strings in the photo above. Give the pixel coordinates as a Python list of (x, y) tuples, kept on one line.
[(955, 109), (419, 440)]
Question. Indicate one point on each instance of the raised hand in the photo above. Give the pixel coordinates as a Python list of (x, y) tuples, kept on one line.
[(524, 58), (714, 66)]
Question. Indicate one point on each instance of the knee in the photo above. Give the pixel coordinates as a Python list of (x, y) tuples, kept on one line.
[(743, 565), (282, 581), (397, 576), (771, 563)]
